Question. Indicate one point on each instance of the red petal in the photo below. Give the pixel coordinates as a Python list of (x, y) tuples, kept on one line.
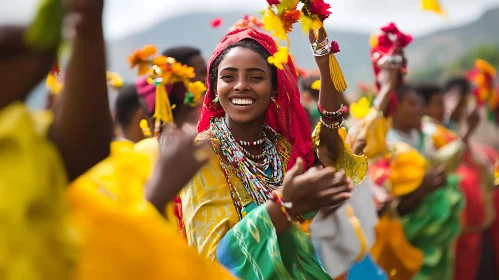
[(216, 22)]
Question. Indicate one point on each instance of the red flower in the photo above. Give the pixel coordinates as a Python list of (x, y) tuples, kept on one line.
[(216, 22), (335, 48), (320, 8), (289, 18), (274, 2)]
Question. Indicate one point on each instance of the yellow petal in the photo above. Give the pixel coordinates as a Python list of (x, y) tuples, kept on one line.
[(433, 6), (306, 23), (316, 85)]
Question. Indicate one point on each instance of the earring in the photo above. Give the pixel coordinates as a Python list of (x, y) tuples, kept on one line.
[(216, 100), (275, 103)]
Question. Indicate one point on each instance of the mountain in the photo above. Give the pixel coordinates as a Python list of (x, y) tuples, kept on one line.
[(425, 52)]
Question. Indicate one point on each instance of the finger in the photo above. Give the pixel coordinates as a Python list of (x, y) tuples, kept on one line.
[(297, 169), (338, 199)]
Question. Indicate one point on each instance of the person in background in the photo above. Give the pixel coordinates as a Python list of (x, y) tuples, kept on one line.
[(129, 111), (189, 56), (434, 234)]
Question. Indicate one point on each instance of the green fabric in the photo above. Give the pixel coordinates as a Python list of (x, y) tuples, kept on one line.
[(433, 227), (252, 250)]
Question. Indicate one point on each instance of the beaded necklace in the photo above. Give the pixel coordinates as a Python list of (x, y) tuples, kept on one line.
[(252, 174)]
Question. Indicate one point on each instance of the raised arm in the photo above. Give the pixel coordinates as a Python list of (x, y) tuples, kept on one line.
[(82, 126), (329, 98)]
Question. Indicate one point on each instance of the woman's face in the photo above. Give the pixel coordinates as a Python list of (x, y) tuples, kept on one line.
[(199, 65), (435, 107), (244, 85), (410, 110)]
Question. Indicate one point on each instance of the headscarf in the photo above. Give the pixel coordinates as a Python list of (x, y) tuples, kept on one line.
[(384, 44), (290, 120)]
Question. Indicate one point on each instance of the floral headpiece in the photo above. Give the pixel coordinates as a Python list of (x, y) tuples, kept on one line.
[(387, 43), (360, 108), (161, 71), (482, 76), (281, 15)]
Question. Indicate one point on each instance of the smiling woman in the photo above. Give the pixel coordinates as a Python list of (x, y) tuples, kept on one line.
[(239, 209)]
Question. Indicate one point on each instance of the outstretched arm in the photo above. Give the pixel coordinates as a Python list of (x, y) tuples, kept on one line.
[(82, 126)]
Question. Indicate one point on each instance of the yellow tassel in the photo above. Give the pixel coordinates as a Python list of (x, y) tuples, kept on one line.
[(336, 74), (144, 125), (162, 108)]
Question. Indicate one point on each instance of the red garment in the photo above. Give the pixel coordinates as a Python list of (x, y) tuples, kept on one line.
[(290, 120), (469, 245)]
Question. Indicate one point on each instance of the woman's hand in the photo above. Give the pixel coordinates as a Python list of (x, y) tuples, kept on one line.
[(314, 189), (180, 159), (310, 190)]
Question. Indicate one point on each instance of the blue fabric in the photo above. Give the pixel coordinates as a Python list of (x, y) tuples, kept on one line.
[(366, 269)]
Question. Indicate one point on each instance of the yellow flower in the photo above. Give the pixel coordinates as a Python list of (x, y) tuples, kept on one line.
[(485, 67), (316, 85), (196, 88), (306, 23), (433, 6), (360, 108), (272, 22), (181, 72), (373, 40), (140, 58), (280, 57), (114, 80), (53, 84)]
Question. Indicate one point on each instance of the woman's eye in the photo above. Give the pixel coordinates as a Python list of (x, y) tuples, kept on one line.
[(226, 77), (256, 78)]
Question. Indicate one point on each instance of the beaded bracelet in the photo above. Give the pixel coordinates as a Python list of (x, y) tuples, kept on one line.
[(334, 125), (334, 116), (321, 49), (277, 198)]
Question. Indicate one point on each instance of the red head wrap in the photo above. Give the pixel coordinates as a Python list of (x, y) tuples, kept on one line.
[(387, 43), (290, 120)]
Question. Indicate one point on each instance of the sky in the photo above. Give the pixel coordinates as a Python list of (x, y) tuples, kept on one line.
[(122, 17)]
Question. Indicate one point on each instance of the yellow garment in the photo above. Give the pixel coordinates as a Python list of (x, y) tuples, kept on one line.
[(207, 206), (355, 166), (407, 170), (373, 128), (122, 235), (393, 252), (150, 148), (34, 240)]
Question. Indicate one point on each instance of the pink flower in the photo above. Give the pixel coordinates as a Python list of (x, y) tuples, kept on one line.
[(335, 48), (274, 2), (320, 8), (216, 22)]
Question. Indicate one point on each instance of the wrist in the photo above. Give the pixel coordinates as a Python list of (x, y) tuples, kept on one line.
[(278, 218)]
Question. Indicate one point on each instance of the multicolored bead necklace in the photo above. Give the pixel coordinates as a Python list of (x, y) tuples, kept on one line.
[(252, 174)]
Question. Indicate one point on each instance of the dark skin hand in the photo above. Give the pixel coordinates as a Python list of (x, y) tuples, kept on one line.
[(177, 164), (21, 68), (311, 190), (434, 179), (82, 127)]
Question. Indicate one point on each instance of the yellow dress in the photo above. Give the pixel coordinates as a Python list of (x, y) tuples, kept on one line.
[(122, 236), (34, 239)]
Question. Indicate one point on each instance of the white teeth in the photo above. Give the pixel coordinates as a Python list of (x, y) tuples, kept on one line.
[(239, 101)]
